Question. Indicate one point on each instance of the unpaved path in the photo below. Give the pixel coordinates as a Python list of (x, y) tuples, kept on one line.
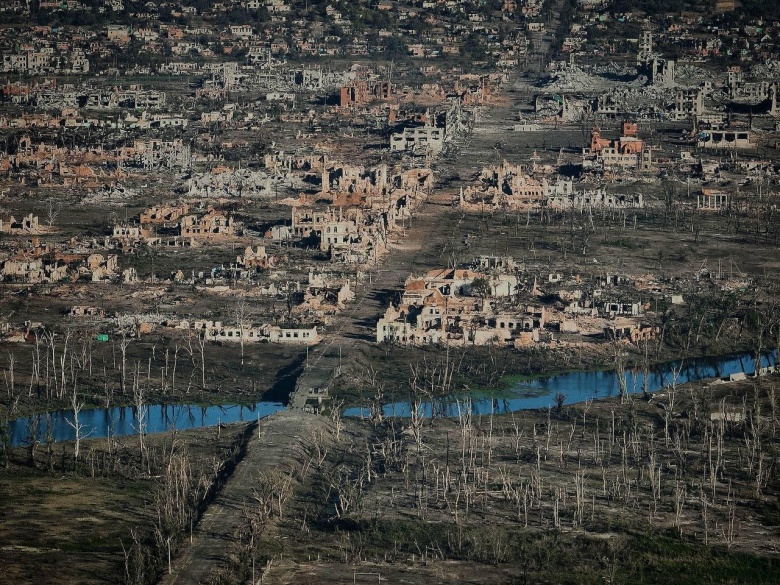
[(276, 444)]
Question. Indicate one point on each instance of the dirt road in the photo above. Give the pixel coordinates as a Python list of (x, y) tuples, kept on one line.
[(275, 445)]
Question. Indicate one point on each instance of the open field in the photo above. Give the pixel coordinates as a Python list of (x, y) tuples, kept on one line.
[(102, 519), (65, 528)]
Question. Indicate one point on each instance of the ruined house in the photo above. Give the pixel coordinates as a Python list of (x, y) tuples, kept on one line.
[(216, 331), (627, 152), (420, 139), (630, 331), (255, 259), (363, 92), (619, 308), (158, 154), (34, 271), (226, 182), (213, 225), (164, 214), (352, 235), (712, 200), (128, 233), (101, 268), (321, 298), (720, 139), (688, 104), (86, 311), (509, 187), (28, 225), (595, 199), (443, 307)]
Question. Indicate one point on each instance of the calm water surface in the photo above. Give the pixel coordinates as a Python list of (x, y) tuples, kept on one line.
[(579, 387), (528, 394), (120, 421)]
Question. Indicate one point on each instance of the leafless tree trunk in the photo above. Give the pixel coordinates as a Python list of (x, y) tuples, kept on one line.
[(140, 413), (78, 427), (52, 212), (63, 358), (35, 376), (33, 424), (729, 533), (124, 343), (10, 375), (50, 339), (173, 371), (620, 370), (49, 441), (335, 415), (680, 494)]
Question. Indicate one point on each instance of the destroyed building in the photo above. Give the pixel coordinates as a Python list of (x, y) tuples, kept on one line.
[(164, 214), (159, 154), (454, 307), (350, 235), (725, 139), (213, 225), (712, 200), (255, 258), (363, 92), (28, 225), (626, 152), (423, 139), (508, 186), (595, 198), (688, 104), (217, 332)]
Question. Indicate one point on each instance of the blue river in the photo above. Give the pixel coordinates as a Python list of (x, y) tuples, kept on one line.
[(528, 394), (121, 421), (579, 387)]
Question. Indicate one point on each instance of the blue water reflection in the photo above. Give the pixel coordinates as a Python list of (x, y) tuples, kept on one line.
[(159, 418), (579, 387)]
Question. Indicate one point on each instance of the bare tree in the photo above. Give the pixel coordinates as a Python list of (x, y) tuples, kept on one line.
[(9, 375), (620, 370), (273, 489), (124, 343), (176, 349), (671, 393), (53, 209), (140, 412), (77, 426), (728, 529), (335, 415), (35, 374), (645, 370), (33, 424), (5, 443), (49, 442)]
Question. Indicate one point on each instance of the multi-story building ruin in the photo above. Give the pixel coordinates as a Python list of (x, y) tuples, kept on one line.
[(213, 225)]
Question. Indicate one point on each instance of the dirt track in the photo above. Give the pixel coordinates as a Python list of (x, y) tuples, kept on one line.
[(277, 443)]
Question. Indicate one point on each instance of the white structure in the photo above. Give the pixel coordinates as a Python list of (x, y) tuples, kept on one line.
[(425, 138)]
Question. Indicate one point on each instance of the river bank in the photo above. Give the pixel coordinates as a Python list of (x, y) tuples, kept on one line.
[(527, 393)]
